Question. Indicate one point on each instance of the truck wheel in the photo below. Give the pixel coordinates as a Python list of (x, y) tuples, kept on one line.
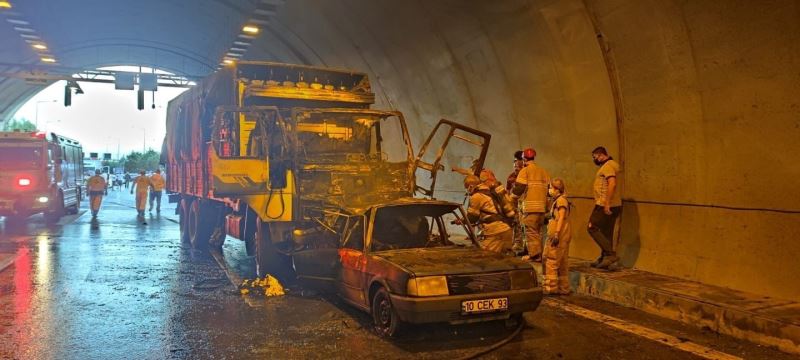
[(57, 211), (199, 229), (184, 207), (268, 259), (74, 209), (217, 237), (387, 323)]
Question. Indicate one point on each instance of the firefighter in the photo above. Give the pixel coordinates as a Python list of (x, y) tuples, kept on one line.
[(559, 235), (141, 184), (156, 187), (97, 188), (531, 187), (519, 244), (485, 212)]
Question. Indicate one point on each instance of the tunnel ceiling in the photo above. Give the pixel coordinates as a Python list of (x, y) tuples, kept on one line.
[(188, 38)]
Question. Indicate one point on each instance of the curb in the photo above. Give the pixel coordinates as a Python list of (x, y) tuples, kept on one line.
[(760, 320)]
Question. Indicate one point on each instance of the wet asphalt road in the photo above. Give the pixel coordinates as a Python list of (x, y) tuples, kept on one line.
[(131, 291)]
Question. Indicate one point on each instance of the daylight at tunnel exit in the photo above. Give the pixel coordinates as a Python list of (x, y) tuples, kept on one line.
[(385, 179)]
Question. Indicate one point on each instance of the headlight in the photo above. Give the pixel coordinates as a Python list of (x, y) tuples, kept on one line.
[(42, 199), (522, 279), (428, 286)]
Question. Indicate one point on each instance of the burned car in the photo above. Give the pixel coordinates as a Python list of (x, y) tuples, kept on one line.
[(410, 261)]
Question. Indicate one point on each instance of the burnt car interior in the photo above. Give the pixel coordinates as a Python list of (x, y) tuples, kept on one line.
[(417, 226)]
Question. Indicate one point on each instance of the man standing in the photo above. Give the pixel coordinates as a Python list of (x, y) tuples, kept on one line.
[(608, 207), (97, 187), (141, 184), (127, 180), (156, 186), (486, 213), (531, 187)]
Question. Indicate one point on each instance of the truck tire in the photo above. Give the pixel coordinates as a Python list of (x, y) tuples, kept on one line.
[(56, 211), (268, 260), (75, 208), (199, 227), (217, 237), (184, 207)]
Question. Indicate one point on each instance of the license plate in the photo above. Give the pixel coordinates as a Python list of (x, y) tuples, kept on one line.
[(485, 305)]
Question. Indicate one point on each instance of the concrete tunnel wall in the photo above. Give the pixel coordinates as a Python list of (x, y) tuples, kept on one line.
[(707, 90)]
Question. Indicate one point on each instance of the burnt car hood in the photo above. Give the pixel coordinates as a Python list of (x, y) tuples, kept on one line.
[(451, 261)]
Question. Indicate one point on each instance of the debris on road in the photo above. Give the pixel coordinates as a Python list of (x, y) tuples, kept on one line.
[(269, 286)]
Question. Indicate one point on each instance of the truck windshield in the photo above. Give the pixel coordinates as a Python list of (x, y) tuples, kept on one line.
[(418, 226), (325, 135), (20, 157)]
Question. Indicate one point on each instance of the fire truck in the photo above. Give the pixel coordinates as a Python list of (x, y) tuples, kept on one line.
[(39, 173), (273, 154)]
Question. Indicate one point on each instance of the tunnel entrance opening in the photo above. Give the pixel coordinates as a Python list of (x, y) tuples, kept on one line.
[(102, 118)]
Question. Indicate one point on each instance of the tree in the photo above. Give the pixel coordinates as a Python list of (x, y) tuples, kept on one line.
[(21, 124), (136, 161)]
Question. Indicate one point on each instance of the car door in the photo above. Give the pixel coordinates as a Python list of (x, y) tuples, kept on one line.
[(354, 263), (470, 145), (338, 269)]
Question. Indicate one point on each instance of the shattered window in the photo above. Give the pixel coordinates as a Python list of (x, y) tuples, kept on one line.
[(357, 136), (417, 226)]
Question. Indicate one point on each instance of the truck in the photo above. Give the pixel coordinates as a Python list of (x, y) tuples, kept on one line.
[(39, 173), (270, 153)]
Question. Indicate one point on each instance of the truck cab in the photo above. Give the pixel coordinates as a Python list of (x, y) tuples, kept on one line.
[(39, 174)]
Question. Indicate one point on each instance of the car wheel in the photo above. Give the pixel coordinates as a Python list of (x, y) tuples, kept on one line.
[(387, 323)]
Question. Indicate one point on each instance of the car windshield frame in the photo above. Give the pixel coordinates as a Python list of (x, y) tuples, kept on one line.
[(406, 218)]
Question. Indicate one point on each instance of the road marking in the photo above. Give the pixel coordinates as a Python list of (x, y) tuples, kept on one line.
[(638, 330)]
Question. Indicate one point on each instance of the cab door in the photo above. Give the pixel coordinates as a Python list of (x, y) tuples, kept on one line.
[(450, 144), (243, 143)]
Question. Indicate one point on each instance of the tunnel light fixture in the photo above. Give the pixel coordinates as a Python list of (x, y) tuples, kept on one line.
[(39, 46), (250, 29), (48, 59), (18, 22), (227, 61), (5, 5)]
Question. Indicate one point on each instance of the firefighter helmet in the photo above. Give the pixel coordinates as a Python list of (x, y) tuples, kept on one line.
[(529, 154)]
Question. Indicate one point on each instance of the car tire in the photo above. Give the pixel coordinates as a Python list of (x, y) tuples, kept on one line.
[(384, 316)]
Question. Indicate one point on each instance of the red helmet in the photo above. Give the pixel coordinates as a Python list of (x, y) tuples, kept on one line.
[(529, 154)]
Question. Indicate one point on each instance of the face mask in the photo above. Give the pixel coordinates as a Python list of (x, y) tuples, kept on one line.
[(598, 162), (552, 192)]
